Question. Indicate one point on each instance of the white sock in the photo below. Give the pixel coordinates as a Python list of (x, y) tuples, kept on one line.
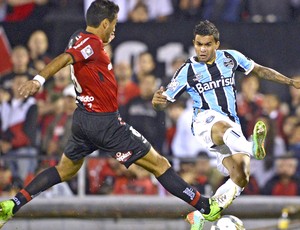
[(237, 142), (228, 185)]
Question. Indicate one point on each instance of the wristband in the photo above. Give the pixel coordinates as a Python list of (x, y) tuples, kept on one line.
[(40, 79)]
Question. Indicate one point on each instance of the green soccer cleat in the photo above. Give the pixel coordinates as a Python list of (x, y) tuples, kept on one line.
[(259, 136), (196, 220), (6, 208), (217, 204)]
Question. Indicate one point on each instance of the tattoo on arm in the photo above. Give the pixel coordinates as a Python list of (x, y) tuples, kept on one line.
[(271, 75)]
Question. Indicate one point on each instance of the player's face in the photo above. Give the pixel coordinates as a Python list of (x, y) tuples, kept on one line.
[(110, 31), (205, 47)]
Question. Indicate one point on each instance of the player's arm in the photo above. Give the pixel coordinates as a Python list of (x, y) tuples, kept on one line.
[(33, 86), (159, 100), (272, 75)]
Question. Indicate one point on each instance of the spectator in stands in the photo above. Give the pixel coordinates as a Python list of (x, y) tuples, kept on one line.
[(67, 8), (17, 11), (46, 98), (263, 11), (294, 101), (134, 181), (285, 182), (20, 61), (228, 10), (102, 174), (127, 89), (3, 6), (173, 113), (186, 9), (159, 10), (139, 13), (5, 179), (271, 107), (145, 64), (59, 130), (140, 114), (4, 95), (289, 123), (294, 143), (18, 131), (249, 102), (38, 47)]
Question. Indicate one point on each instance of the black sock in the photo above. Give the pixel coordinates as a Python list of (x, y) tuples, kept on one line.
[(40, 183), (178, 187)]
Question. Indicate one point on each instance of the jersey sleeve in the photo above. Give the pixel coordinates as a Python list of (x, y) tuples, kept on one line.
[(177, 85), (87, 49), (244, 64)]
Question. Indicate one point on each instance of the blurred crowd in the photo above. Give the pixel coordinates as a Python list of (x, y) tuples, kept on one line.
[(34, 131), (160, 10)]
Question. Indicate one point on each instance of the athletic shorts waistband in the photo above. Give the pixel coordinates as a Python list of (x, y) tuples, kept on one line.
[(97, 113)]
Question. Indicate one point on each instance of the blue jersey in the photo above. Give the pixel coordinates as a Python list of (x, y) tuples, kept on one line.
[(211, 86)]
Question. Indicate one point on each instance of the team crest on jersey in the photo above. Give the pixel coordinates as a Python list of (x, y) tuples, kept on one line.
[(173, 85), (229, 63), (210, 119), (87, 52), (197, 77)]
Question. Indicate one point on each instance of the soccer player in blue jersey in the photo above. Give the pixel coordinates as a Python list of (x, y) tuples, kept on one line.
[(209, 78)]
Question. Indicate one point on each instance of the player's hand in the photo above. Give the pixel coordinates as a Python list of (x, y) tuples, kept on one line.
[(159, 101), (296, 83), (29, 88)]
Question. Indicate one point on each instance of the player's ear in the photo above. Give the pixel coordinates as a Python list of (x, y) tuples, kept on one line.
[(217, 45), (105, 23)]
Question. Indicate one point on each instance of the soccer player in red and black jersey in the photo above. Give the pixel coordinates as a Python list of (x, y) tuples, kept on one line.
[(96, 121)]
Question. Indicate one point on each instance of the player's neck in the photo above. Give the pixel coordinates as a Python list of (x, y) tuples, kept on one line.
[(211, 61)]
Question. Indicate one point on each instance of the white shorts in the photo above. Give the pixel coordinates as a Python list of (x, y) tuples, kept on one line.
[(202, 126)]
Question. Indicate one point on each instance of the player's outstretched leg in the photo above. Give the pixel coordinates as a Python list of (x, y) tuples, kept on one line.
[(217, 205), (6, 211), (259, 136)]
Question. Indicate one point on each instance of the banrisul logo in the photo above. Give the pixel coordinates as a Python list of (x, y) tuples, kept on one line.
[(205, 86)]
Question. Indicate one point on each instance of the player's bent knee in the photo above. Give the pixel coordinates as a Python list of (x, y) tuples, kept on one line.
[(68, 168), (154, 163), (163, 166), (241, 178), (218, 130)]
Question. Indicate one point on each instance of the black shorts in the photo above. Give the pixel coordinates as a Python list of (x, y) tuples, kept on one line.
[(107, 133)]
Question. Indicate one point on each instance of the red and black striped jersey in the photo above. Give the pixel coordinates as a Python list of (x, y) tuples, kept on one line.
[(92, 73)]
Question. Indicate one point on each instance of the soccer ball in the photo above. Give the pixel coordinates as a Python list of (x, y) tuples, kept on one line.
[(228, 222)]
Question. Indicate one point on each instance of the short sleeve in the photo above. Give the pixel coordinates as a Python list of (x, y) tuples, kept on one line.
[(244, 64), (87, 49)]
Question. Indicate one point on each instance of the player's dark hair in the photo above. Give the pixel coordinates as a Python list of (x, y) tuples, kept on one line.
[(206, 28), (99, 10)]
